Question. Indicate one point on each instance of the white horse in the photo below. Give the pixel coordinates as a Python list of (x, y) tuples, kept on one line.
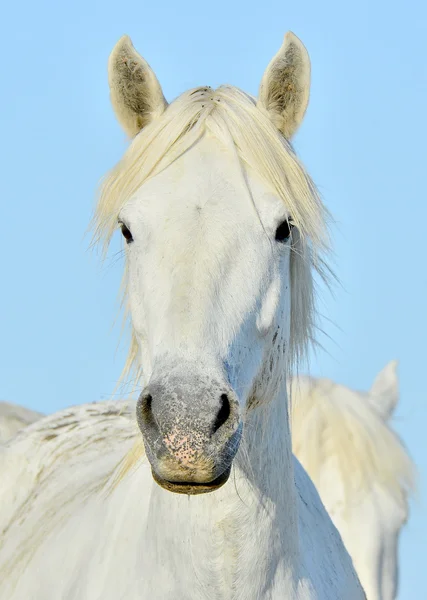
[(360, 468), (13, 418), (223, 227)]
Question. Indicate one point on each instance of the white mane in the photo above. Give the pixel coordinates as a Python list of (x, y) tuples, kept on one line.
[(345, 427), (233, 118)]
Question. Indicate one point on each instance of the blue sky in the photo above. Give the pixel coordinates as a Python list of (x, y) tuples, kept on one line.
[(363, 141)]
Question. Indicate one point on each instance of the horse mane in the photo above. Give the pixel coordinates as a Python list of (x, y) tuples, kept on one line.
[(232, 117), (346, 428)]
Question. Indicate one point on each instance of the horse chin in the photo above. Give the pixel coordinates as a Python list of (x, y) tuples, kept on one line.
[(192, 488)]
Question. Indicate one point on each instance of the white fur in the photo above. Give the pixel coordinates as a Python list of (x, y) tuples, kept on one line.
[(363, 482), (72, 532), (366, 497), (203, 188), (13, 418), (360, 468)]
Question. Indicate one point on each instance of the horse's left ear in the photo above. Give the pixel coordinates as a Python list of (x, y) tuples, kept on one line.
[(384, 393), (285, 86), (136, 94)]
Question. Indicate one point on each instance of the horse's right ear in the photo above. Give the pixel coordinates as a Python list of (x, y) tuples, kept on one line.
[(135, 92), (384, 393)]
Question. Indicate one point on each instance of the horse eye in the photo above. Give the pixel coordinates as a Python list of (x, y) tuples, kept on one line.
[(126, 233), (283, 232)]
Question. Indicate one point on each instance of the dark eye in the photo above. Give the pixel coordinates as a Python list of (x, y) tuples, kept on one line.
[(283, 232), (126, 233)]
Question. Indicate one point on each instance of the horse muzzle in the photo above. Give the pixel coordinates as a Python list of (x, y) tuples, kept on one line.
[(191, 428)]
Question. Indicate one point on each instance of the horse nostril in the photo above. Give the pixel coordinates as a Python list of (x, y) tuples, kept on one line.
[(146, 403), (145, 413), (223, 413)]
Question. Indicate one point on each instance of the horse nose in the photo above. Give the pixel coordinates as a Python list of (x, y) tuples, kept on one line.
[(191, 427), (146, 419)]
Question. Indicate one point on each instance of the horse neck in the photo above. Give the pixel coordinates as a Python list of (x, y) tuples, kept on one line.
[(244, 536), (266, 459)]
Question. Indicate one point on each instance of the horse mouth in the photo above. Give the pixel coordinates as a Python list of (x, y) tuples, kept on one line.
[(192, 488)]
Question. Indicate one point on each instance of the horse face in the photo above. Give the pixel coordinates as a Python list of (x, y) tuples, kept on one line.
[(208, 279)]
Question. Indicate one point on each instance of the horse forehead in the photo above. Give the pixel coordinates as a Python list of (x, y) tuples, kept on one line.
[(205, 181)]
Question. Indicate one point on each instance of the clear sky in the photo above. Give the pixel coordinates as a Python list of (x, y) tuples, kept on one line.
[(363, 141)]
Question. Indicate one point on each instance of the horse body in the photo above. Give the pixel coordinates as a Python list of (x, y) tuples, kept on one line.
[(369, 514), (87, 537), (360, 468), (222, 227)]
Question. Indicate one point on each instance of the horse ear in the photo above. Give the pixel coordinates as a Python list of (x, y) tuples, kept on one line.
[(384, 393), (135, 92), (285, 86)]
